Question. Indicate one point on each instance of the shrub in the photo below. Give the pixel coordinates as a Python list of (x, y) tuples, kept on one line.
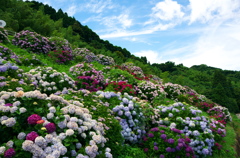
[(121, 86), (164, 142), (57, 127), (88, 77), (61, 44), (8, 54), (33, 42), (49, 81), (61, 56), (105, 60), (148, 90), (4, 36), (85, 54)]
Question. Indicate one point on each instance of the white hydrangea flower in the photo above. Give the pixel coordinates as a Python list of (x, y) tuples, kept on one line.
[(13, 109), (40, 141), (2, 149), (9, 144), (27, 145), (22, 110), (52, 109), (69, 132), (50, 115), (21, 135)]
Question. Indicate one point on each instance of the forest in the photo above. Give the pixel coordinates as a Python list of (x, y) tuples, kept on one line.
[(62, 87)]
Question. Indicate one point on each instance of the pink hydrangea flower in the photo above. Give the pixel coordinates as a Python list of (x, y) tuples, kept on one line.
[(9, 153), (32, 120), (50, 127), (31, 136)]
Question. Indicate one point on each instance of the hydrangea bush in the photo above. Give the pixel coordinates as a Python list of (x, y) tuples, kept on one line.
[(61, 44), (134, 70), (129, 114), (8, 54), (117, 75), (4, 36), (105, 60), (87, 77), (148, 90), (61, 56), (33, 42), (164, 142), (121, 86), (42, 126), (220, 113), (49, 81), (188, 120), (85, 54), (11, 77)]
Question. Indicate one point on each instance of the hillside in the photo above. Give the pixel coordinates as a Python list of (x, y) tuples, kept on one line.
[(63, 97)]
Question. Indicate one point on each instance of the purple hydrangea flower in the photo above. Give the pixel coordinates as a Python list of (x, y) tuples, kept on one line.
[(155, 148), (145, 149), (155, 129), (31, 136), (161, 156), (170, 141), (168, 149), (50, 127), (9, 153), (163, 136), (205, 151), (32, 120), (8, 104), (151, 135)]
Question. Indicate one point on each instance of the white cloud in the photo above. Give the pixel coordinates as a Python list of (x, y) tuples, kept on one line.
[(97, 6), (218, 47), (151, 56), (71, 10), (207, 10), (144, 31), (167, 10), (117, 22)]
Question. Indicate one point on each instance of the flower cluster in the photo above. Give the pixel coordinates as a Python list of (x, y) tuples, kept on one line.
[(8, 54), (32, 42), (61, 56), (220, 113), (88, 77), (105, 60), (134, 70), (165, 142), (66, 129), (205, 106), (148, 90), (49, 80), (218, 130), (61, 44), (121, 86), (3, 36), (85, 54), (196, 127), (118, 75), (174, 90), (11, 77), (129, 115)]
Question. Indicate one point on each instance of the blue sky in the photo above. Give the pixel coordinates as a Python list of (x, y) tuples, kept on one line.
[(191, 32)]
